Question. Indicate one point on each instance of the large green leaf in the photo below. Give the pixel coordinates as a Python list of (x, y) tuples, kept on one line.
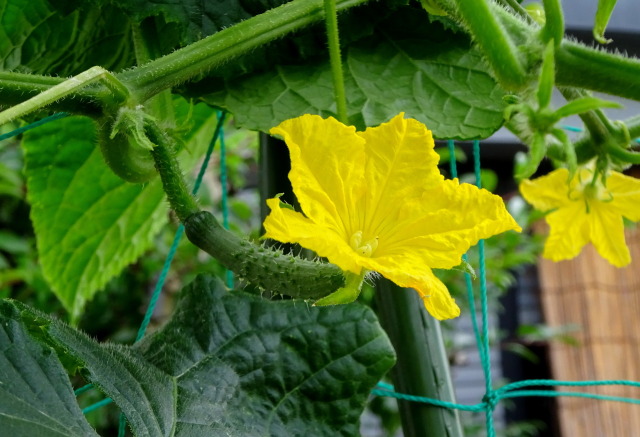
[(243, 366), (250, 367), (407, 65), (89, 223), (36, 398), (145, 393), (35, 37)]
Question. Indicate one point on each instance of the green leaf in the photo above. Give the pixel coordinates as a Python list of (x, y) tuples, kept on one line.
[(144, 393), (584, 104), (38, 38), (230, 363), (89, 223), (247, 366), (25, 25), (36, 398), (406, 65)]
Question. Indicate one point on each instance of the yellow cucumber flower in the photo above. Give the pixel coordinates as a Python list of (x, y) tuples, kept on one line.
[(375, 201), (585, 210)]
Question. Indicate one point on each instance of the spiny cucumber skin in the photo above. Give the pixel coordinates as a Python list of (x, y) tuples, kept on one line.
[(266, 268)]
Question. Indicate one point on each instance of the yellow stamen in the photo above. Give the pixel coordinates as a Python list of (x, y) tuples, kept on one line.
[(364, 249)]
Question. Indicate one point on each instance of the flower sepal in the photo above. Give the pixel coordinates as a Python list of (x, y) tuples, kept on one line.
[(347, 294)]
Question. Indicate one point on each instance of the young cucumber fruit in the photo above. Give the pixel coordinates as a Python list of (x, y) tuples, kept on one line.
[(269, 269), (124, 155)]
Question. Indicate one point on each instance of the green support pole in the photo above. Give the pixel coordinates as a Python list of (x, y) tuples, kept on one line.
[(422, 368)]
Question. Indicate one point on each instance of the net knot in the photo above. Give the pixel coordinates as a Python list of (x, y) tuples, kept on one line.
[(490, 400)]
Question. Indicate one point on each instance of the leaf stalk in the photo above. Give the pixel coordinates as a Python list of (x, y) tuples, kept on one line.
[(331, 20)]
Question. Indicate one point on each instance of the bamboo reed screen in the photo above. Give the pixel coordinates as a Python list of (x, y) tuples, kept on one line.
[(604, 302)]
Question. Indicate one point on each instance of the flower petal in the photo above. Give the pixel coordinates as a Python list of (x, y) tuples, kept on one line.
[(438, 301), (433, 292), (607, 235), (547, 192), (288, 226), (441, 227), (400, 163), (404, 271), (569, 232), (626, 195), (326, 168)]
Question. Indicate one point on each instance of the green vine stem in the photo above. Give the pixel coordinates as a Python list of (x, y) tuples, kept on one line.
[(592, 122), (519, 10), (331, 20), (495, 42), (499, 32), (553, 28), (204, 55), (179, 196), (19, 87), (623, 154), (422, 368), (582, 67), (147, 48), (587, 148), (69, 86)]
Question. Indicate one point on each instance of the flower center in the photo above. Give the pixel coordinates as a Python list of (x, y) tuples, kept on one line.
[(593, 191), (596, 191), (364, 248)]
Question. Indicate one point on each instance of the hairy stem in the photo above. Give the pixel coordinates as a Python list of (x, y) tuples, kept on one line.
[(553, 28), (179, 196), (204, 55), (146, 44), (518, 9), (592, 122), (623, 154), (331, 20), (69, 86), (582, 67), (17, 88), (586, 148), (494, 41)]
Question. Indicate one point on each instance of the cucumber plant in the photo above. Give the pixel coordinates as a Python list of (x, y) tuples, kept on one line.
[(462, 67)]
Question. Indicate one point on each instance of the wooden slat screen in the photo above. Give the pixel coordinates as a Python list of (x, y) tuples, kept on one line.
[(605, 302)]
